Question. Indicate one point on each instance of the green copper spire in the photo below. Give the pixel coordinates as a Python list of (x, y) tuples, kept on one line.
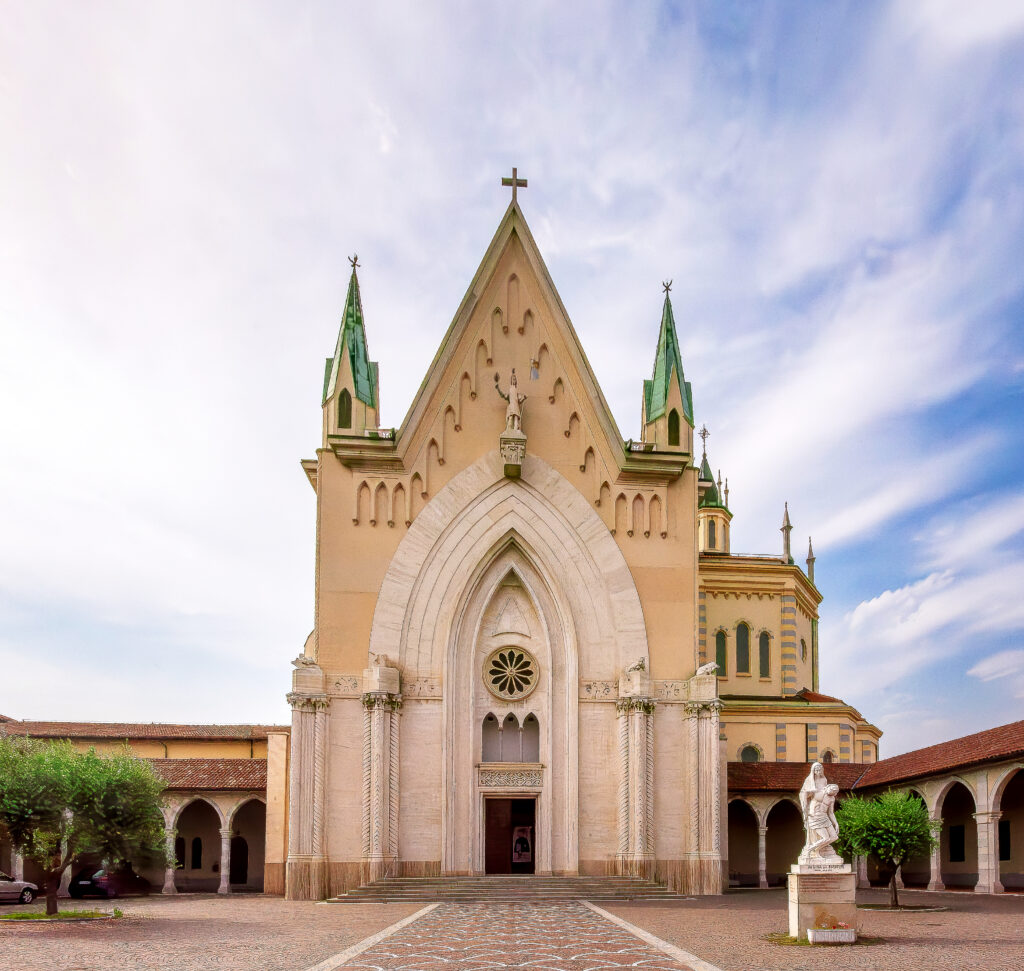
[(711, 496), (667, 362), (352, 339)]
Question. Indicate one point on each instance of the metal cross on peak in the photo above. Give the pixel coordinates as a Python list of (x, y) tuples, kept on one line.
[(704, 433), (515, 182), (666, 285), (354, 260)]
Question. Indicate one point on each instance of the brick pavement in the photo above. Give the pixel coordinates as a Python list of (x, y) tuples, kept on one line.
[(542, 937), (977, 932), (194, 933)]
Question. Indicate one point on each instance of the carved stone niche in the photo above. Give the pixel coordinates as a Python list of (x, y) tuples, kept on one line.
[(380, 676), (512, 445)]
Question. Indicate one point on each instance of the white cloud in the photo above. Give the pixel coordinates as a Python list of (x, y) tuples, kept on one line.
[(1005, 666)]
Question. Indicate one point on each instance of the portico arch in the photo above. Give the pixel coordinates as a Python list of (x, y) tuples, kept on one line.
[(480, 527)]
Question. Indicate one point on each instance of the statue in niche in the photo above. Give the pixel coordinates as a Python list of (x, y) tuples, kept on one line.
[(514, 411)]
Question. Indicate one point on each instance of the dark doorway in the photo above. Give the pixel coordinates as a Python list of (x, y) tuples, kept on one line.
[(239, 871), (510, 843)]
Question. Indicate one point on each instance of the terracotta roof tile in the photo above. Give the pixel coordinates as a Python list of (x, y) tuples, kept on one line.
[(156, 730), (212, 773), (809, 695), (1004, 742), (788, 776)]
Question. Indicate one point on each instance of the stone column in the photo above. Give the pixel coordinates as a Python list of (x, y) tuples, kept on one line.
[(935, 863), (169, 886), (380, 782), (305, 872), (988, 852), (636, 794), (762, 857), (225, 861)]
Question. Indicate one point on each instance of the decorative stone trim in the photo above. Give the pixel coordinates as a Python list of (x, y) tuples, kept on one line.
[(532, 778), (598, 690), (307, 702), (348, 687), (422, 688), (695, 707)]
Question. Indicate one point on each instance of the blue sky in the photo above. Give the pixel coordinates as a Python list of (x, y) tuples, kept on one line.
[(836, 190)]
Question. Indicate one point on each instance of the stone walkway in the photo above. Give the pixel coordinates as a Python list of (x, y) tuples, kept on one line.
[(540, 937)]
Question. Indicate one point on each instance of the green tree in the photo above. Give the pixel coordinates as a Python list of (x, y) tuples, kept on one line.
[(893, 827), (57, 803)]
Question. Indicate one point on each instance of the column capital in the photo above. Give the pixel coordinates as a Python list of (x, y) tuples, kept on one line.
[(706, 707), (301, 702), (382, 699), (226, 832), (625, 705), (988, 816)]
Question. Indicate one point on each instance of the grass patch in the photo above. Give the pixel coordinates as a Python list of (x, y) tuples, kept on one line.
[(64, 915), (784, 940)]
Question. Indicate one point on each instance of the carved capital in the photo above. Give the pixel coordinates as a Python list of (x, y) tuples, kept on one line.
[(300, 702), (382, 699), (707, 707), (625, 705)]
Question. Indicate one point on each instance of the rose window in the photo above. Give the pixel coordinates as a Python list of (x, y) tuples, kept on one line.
[(510, 673)]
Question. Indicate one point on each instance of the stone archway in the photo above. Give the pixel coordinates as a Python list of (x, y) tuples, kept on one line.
[(783, 840), (1009, 802), (443, 575), (198, 825), (744, 866), (248, 842), (959, 838)]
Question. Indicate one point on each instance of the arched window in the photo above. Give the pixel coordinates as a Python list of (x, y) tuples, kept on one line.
[(344, 409), (673, 427), (197, 853), (179, 852), (711, 534), (490, 748), (511, 740), (750, 754), (742, 649), (720, 653), (764, 651), (803, 649), (531, 739), (828, 757)]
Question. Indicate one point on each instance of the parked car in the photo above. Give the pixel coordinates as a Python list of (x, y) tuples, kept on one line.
[(98, 881), (19, 890)]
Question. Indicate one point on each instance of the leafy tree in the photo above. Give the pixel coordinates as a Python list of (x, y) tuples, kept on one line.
[(57, 803), (893, 827)]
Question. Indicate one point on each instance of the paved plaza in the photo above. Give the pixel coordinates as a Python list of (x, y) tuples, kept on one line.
[(252, 933)]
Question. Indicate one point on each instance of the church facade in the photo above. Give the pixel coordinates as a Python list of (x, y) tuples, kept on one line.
[(534, 650)]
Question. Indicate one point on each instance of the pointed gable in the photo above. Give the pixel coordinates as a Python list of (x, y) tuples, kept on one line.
[(352, 341), (668, 367)]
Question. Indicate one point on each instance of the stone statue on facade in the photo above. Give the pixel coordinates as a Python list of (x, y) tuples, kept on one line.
[(512, 443), (514, 411), (710, 668)]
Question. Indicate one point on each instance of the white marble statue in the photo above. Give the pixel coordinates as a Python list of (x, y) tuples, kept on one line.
[(817, 806), (514, 411)]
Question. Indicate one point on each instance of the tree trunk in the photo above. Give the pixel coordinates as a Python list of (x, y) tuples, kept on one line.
[(52, 884), (894, 900)]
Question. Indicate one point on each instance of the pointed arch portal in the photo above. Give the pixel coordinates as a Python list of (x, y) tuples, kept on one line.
[(485, 541)]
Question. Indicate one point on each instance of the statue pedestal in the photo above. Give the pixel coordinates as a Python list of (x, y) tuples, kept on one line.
[(512, 445), (821, 894)]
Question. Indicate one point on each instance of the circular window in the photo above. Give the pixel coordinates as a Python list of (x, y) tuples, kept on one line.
[(510, 673)]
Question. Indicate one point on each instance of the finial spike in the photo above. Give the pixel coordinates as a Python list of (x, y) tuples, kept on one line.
[(786, 529), (666, 285), (704, 433), (810, 560), (354, 260)]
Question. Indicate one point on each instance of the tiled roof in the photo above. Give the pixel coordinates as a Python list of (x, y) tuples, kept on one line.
[(807, 695), (212, 773), (1004, 742), (137, 730), (788, 776)]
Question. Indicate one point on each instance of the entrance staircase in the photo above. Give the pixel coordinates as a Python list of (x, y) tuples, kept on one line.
[(507, 889)]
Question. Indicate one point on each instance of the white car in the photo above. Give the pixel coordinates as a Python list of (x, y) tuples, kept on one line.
[(19, 890)]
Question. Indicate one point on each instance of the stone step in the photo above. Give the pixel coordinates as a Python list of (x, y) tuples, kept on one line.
[(518, 888)]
